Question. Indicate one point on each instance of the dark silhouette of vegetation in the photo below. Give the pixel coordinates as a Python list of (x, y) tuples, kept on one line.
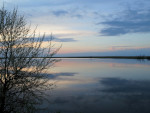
[(107, 57), (22, 84)]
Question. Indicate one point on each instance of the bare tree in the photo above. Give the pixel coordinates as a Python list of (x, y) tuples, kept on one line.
[(23, 62)]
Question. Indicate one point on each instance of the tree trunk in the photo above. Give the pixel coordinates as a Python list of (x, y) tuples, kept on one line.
[(2, 107)]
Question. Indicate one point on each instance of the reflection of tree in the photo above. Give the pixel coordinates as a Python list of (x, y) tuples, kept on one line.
[(21, 83)]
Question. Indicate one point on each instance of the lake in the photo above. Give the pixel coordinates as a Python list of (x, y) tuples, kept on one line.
[(100, 86)]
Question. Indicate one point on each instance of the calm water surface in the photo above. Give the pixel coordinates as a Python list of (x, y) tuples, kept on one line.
[(101, 86)]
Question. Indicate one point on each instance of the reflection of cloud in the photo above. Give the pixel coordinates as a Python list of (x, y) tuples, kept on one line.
[(117, 100), (60, 101), (117, 85), (55, 75), (132, 21), (134, 94), (47, 75)]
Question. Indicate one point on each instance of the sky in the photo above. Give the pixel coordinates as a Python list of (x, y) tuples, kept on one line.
[(90, 27)]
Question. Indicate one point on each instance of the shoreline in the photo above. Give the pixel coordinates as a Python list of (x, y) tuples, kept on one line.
[(112, 57)]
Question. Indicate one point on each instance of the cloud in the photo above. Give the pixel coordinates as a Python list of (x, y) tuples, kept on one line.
[(60, 39), (73, 12), (129, 21), (60, 13), (55, 39), (114, 52), (64, 40), (121, 46), (78, 15), (38, 3)]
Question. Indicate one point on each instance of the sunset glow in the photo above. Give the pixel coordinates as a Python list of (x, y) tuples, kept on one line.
[(90, 27)]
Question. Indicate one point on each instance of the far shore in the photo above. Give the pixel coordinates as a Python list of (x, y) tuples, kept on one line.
[(105, 57), (112, 57)]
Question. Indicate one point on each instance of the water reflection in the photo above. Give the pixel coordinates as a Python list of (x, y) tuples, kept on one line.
[(134, 94), (117, 85), (56, 75), (101, 86)]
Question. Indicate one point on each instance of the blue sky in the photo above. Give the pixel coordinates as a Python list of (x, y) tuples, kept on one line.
[(91, 27)]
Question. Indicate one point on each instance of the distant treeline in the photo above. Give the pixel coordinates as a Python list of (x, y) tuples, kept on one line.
[(112, 57)]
